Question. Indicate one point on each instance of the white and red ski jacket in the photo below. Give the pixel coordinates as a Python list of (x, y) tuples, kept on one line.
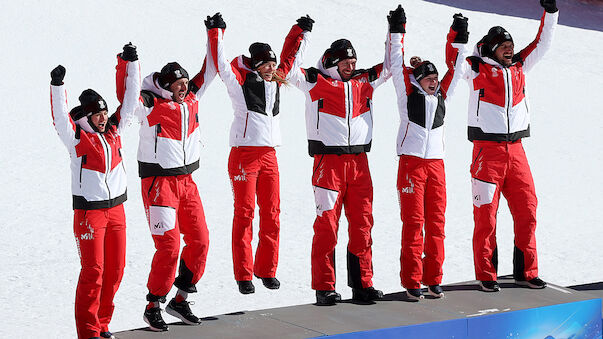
[(254, 100), (170, 142), (339, 114), (421, 131), (98, 176), (498, 108)]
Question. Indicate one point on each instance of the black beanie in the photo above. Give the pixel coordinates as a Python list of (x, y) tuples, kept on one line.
[(170, 73), (340, 50), (495, 37), (260, 54), (90, 103), (424, 69)]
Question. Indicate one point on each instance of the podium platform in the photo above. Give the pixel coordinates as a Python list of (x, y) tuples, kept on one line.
[(465, 312)]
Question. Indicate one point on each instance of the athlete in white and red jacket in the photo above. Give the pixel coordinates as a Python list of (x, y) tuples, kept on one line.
[(420, 145), (253, 85), (339, 125), (98, 185), (498, 120), (168, 152)]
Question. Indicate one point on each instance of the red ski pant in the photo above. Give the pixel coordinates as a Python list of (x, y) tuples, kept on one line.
[(342, 180), (173, 207), (254, 171), (100, 236), (503, 167), (422, 192)]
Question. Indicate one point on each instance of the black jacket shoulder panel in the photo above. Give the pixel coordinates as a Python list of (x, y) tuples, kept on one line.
[(312, 74), (475, 62), (148, 98), (372, 73), (192, 87), (517, 58)]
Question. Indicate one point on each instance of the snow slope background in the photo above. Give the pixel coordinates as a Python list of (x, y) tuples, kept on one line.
[(39, 264)]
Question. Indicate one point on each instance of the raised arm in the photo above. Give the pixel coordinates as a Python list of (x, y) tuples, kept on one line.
[(456, 52), (199, 83), (380, 73), (128, 87), (63, 124), (216, 27), (530, 55), (292, 54), (456, 46), (397, 30)]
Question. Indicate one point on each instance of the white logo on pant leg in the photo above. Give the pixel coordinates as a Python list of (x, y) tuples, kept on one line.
[(410, 189), (156, 192), (479, 165), (321, 173), (242, 176), (90, 234)]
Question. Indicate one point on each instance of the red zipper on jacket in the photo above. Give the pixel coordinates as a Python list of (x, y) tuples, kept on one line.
[(246, 118), (405, 134)]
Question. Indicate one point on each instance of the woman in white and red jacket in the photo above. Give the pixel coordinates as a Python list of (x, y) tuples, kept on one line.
[(420, 145), (498, 119), (98, 185), (339, 126), (168, 153), (253, 85)]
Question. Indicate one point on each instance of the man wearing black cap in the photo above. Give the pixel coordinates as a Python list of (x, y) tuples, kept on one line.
[(339, 125), (168, 152), (498, 120)]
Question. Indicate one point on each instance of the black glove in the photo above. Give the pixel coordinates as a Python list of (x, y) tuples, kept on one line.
[(397, 20), (549, 5), (57, 75), (215, 21), (129, 53), (460, 25), (305, 23)]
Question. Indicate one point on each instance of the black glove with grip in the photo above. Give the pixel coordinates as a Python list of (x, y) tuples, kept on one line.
[(305, 23), (549, 5), (129, 53), (57, 75), (397, 20), (215, 21), (460, 26)]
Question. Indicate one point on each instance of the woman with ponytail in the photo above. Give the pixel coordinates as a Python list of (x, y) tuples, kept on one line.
[(253, 84)]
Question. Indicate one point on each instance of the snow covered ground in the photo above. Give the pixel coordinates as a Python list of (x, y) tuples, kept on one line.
[(39, 265)]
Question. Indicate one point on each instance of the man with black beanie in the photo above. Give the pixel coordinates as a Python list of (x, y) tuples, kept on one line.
[(339, 126), (498, 120), (168, 153)]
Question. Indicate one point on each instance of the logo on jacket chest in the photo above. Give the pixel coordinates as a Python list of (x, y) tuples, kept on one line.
[(494, 72)]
